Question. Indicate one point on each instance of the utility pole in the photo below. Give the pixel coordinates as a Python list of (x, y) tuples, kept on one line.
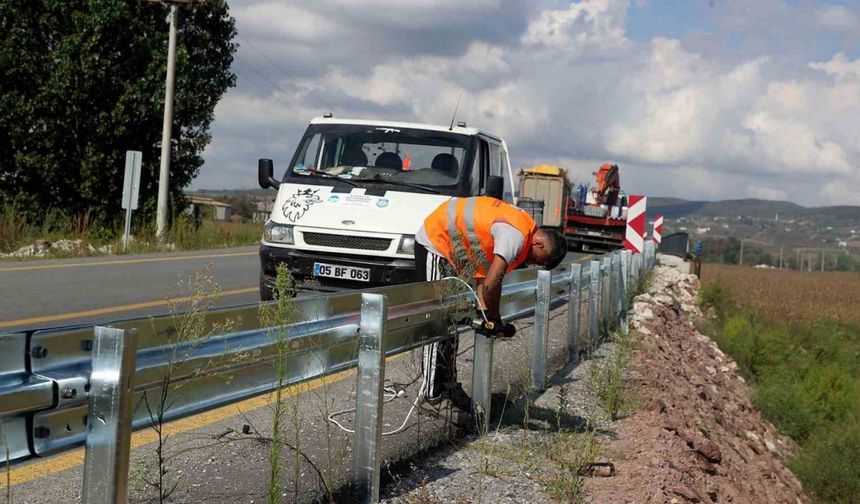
[(823, 255), (742, 253), (780, 257), (166, 131), (167, 127)]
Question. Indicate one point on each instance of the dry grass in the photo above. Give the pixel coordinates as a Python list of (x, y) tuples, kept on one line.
[(785, 295)]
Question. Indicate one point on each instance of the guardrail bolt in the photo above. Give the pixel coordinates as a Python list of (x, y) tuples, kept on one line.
[(69, 392), (39, 352), (41, 432), (87, 345)]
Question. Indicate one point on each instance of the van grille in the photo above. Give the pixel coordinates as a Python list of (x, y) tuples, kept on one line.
[(348, 242)]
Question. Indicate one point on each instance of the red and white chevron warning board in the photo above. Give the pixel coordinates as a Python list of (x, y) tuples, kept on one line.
[(634, 239), (658, 229)]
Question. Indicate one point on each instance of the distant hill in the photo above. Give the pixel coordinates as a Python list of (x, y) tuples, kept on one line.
[(674, 207)]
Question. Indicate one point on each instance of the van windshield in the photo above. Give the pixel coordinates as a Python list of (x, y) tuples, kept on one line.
[(374, 154)]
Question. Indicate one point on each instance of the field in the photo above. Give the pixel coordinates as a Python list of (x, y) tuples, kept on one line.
[(791, 295), (796, 338)]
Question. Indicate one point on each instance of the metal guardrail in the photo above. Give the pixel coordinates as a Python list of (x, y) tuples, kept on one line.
[(63, 387)]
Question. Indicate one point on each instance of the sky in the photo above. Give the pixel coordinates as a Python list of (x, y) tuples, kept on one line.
[(696, 99)]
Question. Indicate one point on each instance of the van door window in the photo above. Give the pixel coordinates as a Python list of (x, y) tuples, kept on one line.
[(309, 155), (480, 170), (495, 165), (503, 163)]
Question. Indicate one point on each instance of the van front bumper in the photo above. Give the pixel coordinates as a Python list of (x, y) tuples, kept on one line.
[(383, 270)]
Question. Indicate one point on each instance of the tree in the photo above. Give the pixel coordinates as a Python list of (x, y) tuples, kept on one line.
[(83, 81)]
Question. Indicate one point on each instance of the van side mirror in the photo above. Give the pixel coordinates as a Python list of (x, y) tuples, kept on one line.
[(495, 187), (266, 174)]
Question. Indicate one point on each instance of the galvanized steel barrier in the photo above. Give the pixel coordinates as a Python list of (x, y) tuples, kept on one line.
[(60, 388)]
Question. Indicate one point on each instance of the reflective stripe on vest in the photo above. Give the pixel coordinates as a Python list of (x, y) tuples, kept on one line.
[(478, 254)]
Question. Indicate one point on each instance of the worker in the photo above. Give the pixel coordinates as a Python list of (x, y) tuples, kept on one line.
[(480, 238)]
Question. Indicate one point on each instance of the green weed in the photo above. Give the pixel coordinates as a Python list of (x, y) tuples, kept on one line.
[(278, 316), (606, 379)]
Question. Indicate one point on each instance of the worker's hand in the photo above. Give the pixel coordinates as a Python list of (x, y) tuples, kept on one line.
[(496, 329)]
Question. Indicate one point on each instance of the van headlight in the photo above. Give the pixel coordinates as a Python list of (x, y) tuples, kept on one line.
[(278, 233), (407, 245)]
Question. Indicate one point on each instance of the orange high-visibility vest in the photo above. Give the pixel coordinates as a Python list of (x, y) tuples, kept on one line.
[(466, 223)]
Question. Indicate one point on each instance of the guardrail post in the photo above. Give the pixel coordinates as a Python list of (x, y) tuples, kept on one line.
[(574, 298), (482, 378), (540, 338), (616, 287), (108, 445), (625, 269), (593, 304), (367, 439), (605, 293)]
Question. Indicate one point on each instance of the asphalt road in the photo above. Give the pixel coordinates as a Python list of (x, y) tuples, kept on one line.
[(52, 293), (38, 294)]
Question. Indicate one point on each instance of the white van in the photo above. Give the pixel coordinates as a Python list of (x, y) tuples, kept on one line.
[(357, 191)]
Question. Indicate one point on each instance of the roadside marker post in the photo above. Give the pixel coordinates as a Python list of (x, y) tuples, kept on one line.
[(634, 238), (658, 230), (130, 189)]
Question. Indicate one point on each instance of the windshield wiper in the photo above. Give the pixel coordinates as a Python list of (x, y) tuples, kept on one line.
[(377, 178), (325, 175)]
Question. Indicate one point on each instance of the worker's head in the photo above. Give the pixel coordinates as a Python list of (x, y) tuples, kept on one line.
[(549, 247)]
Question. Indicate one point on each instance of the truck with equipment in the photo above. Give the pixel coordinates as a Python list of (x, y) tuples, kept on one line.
[(591, 218)]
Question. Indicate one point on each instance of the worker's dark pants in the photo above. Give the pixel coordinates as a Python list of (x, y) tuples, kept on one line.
[(439, 365)]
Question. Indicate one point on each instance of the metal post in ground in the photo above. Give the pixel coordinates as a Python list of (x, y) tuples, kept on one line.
[(625, 269), (605, 294), (593, 304), (108, 444), (367, 439), (574, 286), (616, 287), (540, 338), (482, 378)]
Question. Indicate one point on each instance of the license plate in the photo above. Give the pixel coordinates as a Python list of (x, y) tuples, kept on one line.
[(342, 272)]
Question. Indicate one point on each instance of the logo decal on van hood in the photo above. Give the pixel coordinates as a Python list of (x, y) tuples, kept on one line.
[(296, 205)]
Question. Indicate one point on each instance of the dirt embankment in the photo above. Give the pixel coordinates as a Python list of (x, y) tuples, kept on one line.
[(698, 438)]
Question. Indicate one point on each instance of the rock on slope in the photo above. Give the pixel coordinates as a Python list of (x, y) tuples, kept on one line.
[(699, 439)]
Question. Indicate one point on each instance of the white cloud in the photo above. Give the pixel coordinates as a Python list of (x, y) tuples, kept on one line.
[(595, 23), (767, 193), (837, 18), (839, 67), (841, 192)]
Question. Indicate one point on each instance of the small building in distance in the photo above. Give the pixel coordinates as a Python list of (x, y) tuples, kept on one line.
[(202, 207)]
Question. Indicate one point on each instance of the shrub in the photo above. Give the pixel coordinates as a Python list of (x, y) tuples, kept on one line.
[(829, 464)]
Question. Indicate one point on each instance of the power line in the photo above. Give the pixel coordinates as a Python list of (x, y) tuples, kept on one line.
[(262, 76), (280, 68)]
